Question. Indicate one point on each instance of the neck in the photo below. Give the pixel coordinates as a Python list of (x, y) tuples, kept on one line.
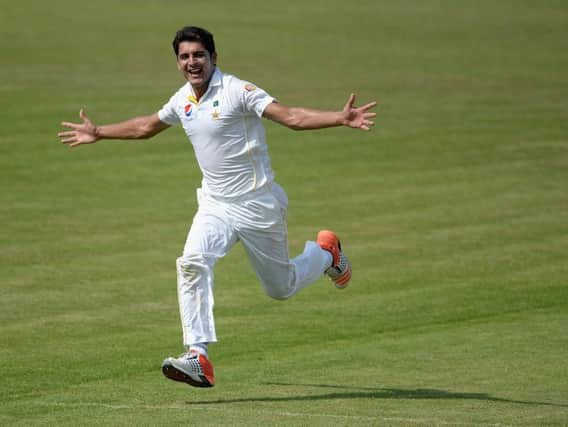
[(200, 91)]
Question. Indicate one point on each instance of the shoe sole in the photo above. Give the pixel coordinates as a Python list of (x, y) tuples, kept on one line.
[(175, 374)]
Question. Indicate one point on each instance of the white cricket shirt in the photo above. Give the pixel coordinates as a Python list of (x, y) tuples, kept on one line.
[(226, 131)]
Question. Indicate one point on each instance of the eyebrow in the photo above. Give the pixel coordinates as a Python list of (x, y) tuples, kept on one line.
[(194, 52)]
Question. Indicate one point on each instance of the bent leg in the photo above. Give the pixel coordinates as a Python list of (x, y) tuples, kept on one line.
[(266, 244), (280, 277), (268, 254), (310, 264)]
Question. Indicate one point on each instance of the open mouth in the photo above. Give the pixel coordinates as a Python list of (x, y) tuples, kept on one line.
[(195, 73)]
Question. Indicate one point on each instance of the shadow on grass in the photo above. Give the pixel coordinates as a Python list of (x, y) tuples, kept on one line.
[(350, 392)]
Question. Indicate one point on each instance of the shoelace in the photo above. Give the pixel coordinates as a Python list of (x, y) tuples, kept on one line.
[(339, 268), (193, 361)]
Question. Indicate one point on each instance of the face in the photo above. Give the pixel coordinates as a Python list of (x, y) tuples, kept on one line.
[(196, 64)]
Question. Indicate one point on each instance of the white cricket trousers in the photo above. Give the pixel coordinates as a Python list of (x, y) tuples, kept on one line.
[(258, 220)]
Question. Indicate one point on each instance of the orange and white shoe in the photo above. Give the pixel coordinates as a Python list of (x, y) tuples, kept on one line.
[(340, 270), (190, 368)]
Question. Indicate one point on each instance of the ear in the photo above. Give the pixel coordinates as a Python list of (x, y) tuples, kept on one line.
[(214, 58)]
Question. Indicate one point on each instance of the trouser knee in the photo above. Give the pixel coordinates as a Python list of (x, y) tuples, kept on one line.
[(193, 268), (278, 289)]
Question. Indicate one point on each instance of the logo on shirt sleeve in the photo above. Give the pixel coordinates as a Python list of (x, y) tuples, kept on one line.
[(250, 87)]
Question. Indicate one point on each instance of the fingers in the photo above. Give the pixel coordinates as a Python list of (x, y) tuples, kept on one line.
[(67, 136), (70, 125), (363, 125), (368, 106), (71, 142), (366, 125), (66, 133), (69, 139), (350, 102)]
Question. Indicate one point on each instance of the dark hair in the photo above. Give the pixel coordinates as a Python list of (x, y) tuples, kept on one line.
[(194, 34)]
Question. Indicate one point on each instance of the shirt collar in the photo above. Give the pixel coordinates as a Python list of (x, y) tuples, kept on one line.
[(216, 80), (216, 77)]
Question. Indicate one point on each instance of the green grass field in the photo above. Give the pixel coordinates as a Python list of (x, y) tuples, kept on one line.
[(453, 210)]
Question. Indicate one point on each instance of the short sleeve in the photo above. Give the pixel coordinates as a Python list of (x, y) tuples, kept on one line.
[(254, 99), (168, 113)]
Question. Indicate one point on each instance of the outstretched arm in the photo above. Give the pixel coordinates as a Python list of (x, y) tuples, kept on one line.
[(87, 132), (299, 118)]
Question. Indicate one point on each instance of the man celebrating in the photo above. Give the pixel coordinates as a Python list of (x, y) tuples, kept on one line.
[(238, 199)]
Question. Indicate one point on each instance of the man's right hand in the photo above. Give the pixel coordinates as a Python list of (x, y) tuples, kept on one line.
[(82, 133)]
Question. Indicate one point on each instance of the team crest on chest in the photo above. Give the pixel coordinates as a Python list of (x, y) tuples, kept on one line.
[(188, 109)]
